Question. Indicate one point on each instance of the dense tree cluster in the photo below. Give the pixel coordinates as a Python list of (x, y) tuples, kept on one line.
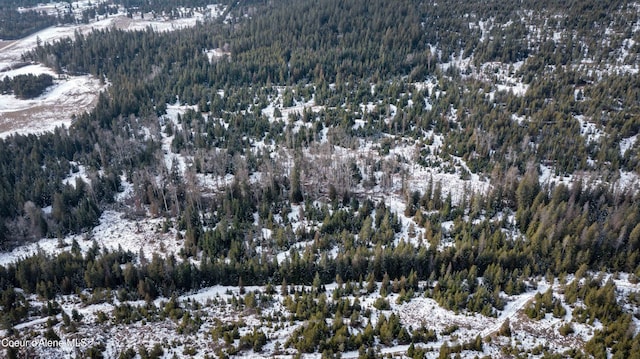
[(26, 86), (17, 24), (34, 172)]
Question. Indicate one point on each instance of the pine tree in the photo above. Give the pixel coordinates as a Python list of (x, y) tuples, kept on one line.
[(296, 189)]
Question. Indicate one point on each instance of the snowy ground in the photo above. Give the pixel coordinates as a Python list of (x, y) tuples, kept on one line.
[(589, 130), (114, 231), (50, 110), (628, 144), (215, 303), (71, 94)]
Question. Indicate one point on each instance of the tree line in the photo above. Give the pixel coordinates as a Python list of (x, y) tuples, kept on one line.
[(26, 86)]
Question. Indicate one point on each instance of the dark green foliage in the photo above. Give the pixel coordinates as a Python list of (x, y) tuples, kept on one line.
[(26, 86), (382, 304), (505, 328), (599, 298), (14, 307), (450, 329), (95, 352), (543, 304), (565, 329), (255, 341), (129, 353), (17, 24), (31, 172), (296, 191), (616, 335), (423, 335)]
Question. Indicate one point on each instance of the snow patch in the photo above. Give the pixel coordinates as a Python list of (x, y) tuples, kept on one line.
[(113, 232), (627, 143)]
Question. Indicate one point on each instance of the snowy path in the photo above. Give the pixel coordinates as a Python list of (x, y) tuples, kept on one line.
[(512, 308)]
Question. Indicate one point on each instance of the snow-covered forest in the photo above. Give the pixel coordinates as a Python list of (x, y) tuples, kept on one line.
[(297, 178)]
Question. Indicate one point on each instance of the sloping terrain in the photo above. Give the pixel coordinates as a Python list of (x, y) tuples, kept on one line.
[(318, 179), (71, 94)]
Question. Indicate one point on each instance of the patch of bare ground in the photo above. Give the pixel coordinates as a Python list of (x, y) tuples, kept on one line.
[(122, 22), (12, 121), (5, 43), (55, 107), (545, 330), (45, 117)]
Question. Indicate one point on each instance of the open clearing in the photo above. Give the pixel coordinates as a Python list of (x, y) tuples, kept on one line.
[(72, 94)]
